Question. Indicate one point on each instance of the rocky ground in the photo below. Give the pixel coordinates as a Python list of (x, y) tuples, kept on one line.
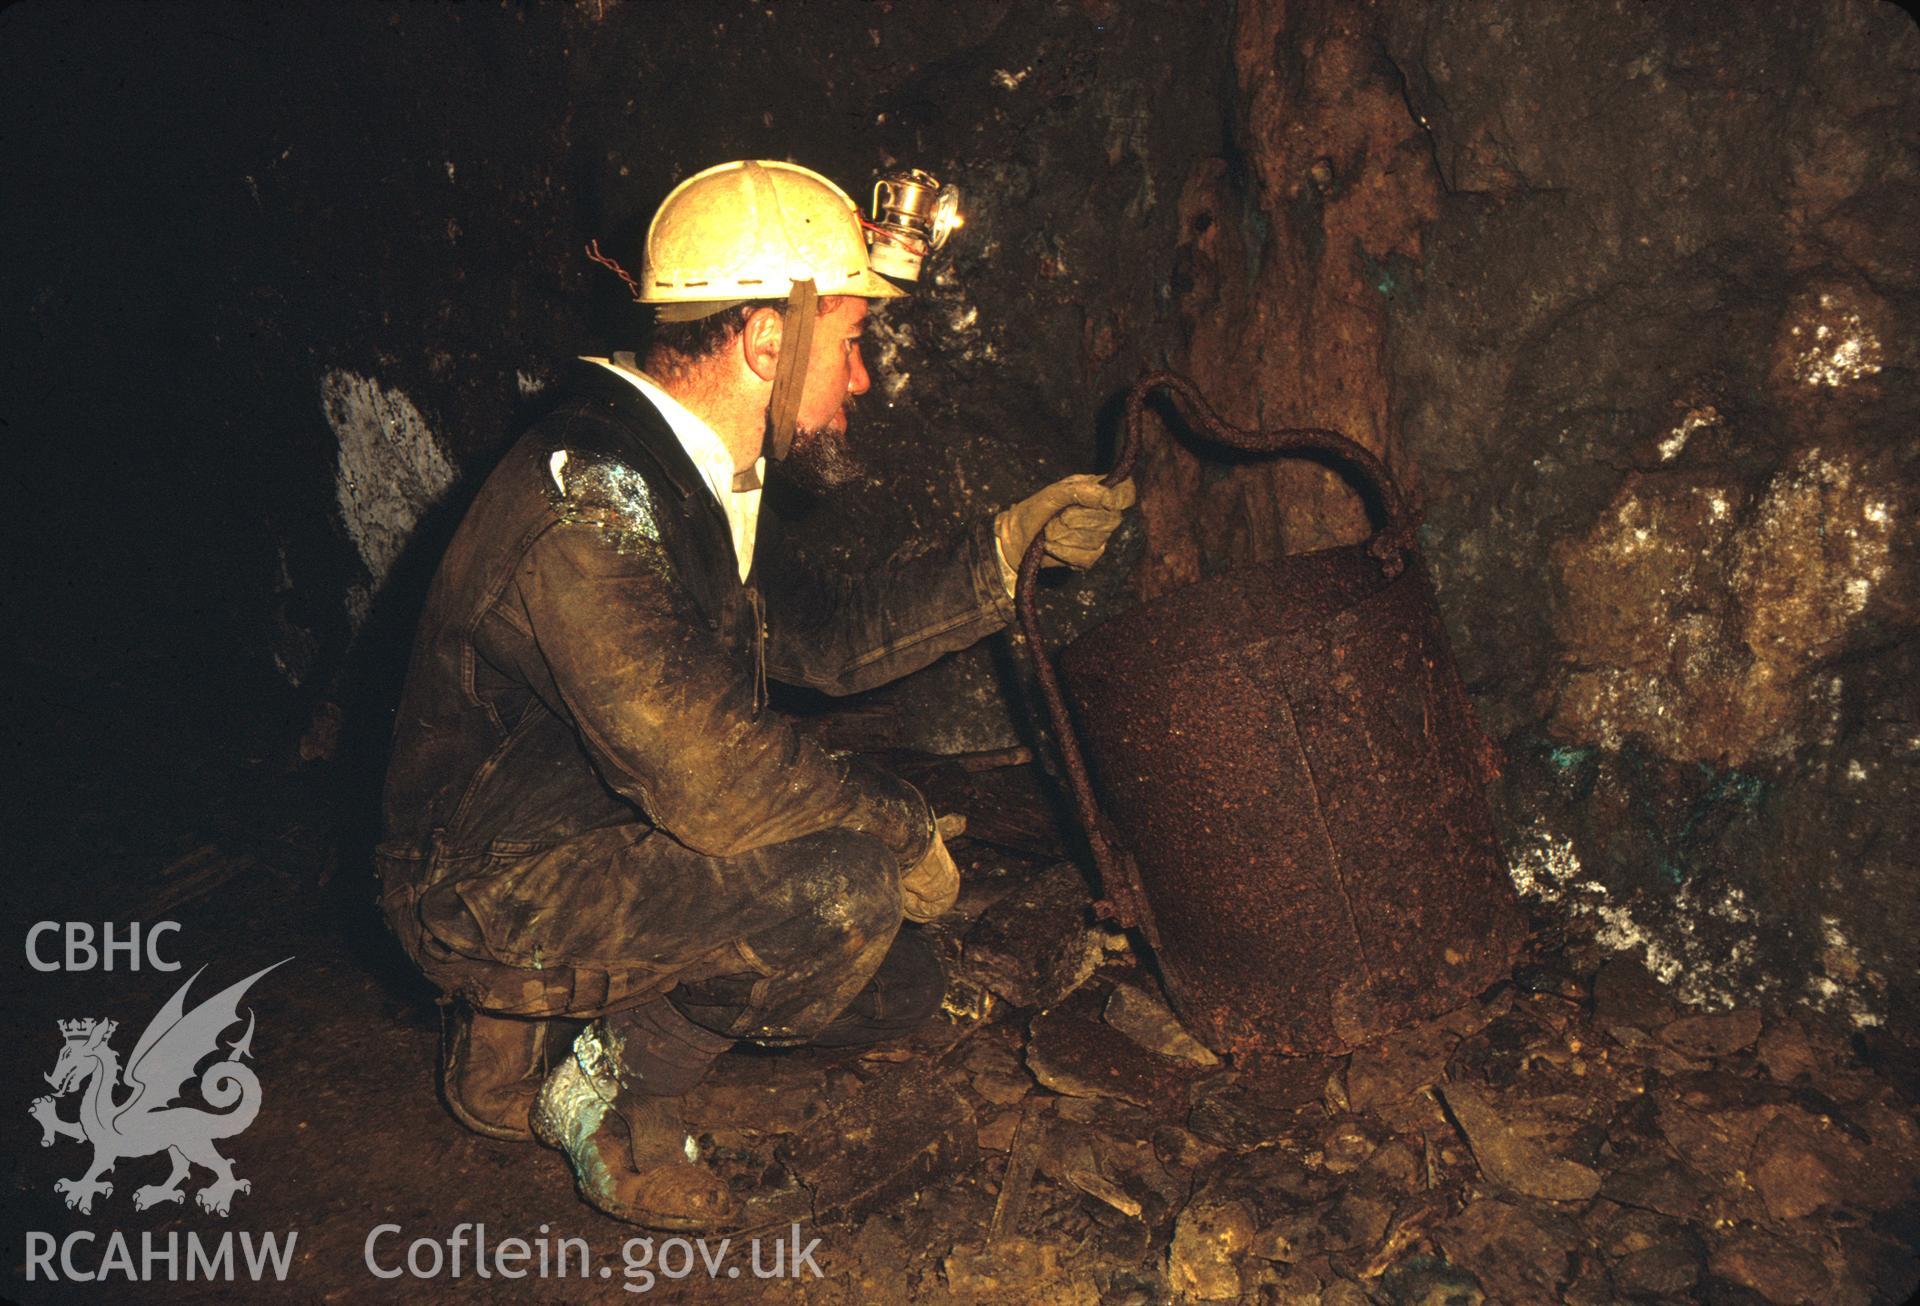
[(1573, 1135)]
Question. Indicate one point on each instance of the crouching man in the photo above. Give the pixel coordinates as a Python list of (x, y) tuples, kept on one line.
[(590, 811)]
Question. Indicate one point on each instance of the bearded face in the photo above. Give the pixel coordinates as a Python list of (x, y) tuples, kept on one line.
[(821, 459)]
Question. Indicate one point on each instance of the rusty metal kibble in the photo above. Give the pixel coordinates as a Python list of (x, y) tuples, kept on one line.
[(1291, 770)]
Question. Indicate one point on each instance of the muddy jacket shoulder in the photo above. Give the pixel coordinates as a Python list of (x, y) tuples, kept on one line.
[(588, 655)]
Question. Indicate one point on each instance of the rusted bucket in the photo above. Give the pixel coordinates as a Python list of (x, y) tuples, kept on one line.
[(1293, 777)]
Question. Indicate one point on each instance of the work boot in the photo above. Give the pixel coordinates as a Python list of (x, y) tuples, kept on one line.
[(632, 1158), (491, 1068), (901, 996)]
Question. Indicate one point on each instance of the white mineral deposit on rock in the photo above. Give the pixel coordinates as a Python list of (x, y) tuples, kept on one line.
[(1696, 419), (1544, 865), (1801, 591), (1733, 907), (1702, 616), (1833, 345), (1843, 982), (889, 339), (1703, 972), (1704, 968), (388, 472), (1619, 932)]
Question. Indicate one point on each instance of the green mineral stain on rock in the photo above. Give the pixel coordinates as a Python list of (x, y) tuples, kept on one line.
[(1732, 794), (1568, 756)]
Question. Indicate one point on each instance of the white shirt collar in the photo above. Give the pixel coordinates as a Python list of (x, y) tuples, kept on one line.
[(708, 452)]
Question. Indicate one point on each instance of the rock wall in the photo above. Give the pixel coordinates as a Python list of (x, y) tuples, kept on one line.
[(1621, 288), (280, 280), (1626, 290), (290, 278), (1289, 247)]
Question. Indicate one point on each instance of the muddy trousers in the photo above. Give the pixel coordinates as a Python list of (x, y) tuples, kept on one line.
[(770, 945)]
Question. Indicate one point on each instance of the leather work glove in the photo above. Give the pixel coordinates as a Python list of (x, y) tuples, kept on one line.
[(1078, 535), (930, 887)]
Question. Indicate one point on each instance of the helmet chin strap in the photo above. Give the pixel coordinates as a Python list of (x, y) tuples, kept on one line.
[(789, 379), (790, 372)]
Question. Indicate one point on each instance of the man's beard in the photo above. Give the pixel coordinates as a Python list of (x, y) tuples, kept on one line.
[(820, 460)]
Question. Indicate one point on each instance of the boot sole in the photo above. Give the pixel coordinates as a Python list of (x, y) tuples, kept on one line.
[(504, 1133)]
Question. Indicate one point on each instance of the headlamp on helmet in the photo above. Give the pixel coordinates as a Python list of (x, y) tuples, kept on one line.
[(913, 215)]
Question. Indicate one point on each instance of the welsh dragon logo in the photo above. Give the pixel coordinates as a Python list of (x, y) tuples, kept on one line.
[(145, 1120)]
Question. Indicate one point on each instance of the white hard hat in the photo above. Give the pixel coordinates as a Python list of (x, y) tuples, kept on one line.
[(753, 229)]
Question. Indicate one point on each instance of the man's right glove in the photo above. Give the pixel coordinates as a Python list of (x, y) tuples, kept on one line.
[(1075, 537)]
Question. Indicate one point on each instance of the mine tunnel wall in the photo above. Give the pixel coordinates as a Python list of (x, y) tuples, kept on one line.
[(1624, 290)]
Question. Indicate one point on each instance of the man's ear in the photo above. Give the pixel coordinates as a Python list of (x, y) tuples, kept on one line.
[(760, 342)]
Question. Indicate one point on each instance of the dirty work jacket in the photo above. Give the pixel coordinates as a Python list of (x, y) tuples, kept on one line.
[(589, 657)]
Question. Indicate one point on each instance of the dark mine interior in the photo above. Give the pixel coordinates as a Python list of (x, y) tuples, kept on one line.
[(1457, 843)]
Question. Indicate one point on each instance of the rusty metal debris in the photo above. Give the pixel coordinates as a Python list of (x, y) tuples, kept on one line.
[(1293, 776), (193, 876), (1022, 1160)]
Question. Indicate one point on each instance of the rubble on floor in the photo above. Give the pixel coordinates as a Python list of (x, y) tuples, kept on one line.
[(1571, 1136), (1574, 1134)]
